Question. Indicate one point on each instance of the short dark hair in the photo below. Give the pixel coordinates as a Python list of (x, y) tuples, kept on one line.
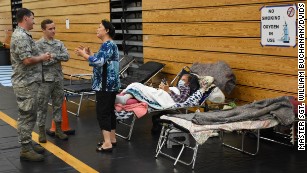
[(45, 22), (109, 26), (23, 12)]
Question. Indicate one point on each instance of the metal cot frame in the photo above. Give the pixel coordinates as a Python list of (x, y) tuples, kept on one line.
[(258, 135), (164, 137)]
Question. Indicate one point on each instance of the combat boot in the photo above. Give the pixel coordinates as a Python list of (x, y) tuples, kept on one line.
[(39, 149), (42, 134), (28, 154), (58, 131)]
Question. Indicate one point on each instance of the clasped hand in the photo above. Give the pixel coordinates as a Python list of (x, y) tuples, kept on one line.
[(46, 56)]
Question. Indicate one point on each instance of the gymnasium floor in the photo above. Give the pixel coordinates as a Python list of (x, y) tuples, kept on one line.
[(78, 153)]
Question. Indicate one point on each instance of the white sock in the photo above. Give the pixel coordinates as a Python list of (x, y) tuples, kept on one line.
[(123, 99)]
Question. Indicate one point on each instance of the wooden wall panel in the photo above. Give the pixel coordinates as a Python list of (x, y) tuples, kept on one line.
[(59, 3), (5, 3), (72, 45), (83, 65), (71, 70), (77, 19), (27, 1), (283, 83), (74, 27), (2, 34), (84, 37), (272, 64), (180, 32), (84, 18), (174, 4), (60, 11), (6, 8), (250, 94), (218, 44), (217, 13), (5, 21), (225, 29), (5, 27)]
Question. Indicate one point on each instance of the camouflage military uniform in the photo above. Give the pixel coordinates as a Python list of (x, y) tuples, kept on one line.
[(52, 85), (26, 80)]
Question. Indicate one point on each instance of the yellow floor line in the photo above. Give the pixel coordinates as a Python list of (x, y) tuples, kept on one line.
[(66, 157)]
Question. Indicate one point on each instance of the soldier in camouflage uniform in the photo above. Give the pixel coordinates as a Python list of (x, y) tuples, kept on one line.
[(26, 79), (52, 85)]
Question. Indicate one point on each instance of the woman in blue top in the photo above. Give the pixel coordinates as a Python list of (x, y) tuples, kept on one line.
[(105, 82)]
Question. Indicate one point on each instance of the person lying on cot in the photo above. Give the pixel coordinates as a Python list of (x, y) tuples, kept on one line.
[(165, 96)]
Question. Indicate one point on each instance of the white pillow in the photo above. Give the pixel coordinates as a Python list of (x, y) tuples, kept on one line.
[(216, 96)]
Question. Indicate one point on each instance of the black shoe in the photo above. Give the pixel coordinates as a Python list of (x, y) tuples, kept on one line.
[(100, 149), (101, 143)]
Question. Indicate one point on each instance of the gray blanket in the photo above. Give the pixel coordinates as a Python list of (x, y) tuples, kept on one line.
[(222, 73), (280, 108)]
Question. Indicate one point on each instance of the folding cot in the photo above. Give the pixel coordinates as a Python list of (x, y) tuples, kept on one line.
[(80, 84), (226, 78), (287, 135), (80, 89), (128, 118), (255, 116)]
